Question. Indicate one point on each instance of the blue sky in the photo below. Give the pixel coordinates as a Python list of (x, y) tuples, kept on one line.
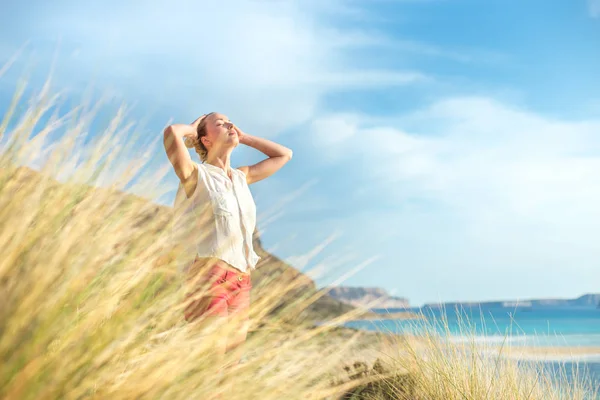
[(445, 150)]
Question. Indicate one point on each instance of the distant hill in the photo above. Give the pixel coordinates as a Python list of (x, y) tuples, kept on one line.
[(587, 300), (367, 297), (276, 272), (272, 273)]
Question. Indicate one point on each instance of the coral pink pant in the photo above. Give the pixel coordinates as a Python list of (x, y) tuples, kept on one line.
[(226, 293)]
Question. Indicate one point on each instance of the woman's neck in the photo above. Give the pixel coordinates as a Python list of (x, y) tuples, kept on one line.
[(220, 159)]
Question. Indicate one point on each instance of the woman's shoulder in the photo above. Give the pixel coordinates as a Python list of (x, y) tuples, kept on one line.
[(240, 171), (203, 171), (242, 175)]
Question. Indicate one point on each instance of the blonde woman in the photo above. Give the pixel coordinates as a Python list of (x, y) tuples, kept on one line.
[(219, 214)]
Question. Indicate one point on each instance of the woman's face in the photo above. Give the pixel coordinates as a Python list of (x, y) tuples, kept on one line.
[(220, 132)]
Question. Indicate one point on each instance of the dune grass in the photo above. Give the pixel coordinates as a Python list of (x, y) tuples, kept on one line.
[(92, 299), (444, 368)]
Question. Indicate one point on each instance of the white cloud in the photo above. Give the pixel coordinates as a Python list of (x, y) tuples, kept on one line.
[(475, 187), (471, 149), (528, 164), (594, 7), (331, 132), (267, 63)]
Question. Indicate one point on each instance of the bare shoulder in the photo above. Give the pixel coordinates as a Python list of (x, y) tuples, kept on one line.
[(246, 171)]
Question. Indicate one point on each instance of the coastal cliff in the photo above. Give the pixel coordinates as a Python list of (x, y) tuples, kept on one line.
[(368, 297), (272, 275), (586, 301)]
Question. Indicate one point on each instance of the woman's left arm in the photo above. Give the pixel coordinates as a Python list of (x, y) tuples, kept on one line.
[(278, 156)]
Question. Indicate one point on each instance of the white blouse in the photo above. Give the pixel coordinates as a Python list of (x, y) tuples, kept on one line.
[(218, 220)]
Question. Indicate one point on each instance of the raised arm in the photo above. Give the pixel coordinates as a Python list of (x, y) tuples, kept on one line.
[(277, 154), (176, 149)]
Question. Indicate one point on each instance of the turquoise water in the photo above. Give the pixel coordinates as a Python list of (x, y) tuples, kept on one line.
[(527, 327), (545, 327)]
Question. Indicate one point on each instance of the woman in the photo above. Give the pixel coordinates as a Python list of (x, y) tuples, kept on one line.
[(216, 209)]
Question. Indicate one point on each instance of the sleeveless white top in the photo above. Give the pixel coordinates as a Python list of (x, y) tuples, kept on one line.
[(218, 220)]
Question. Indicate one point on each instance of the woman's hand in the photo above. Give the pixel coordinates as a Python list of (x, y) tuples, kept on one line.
[(197, 121), (277, 154), (241, 135), (191, 133)]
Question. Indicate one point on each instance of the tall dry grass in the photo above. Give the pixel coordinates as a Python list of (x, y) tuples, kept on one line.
[(443, 367), (92, 298)]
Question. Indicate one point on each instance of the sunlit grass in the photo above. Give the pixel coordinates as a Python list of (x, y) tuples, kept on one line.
[(92, 299), (470, 368)]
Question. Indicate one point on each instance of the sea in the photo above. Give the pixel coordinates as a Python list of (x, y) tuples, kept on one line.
[(565, 327)]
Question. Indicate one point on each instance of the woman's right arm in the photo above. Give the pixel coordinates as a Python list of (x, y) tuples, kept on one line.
[(176, 150)]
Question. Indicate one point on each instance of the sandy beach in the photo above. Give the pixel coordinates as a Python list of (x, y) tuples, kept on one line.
[(532, 353), (590, 354)]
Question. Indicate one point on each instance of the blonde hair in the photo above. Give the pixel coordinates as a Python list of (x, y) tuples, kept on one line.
[(195, 142)]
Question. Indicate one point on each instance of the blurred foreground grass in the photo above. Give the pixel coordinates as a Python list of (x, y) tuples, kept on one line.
[(92, 301)]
